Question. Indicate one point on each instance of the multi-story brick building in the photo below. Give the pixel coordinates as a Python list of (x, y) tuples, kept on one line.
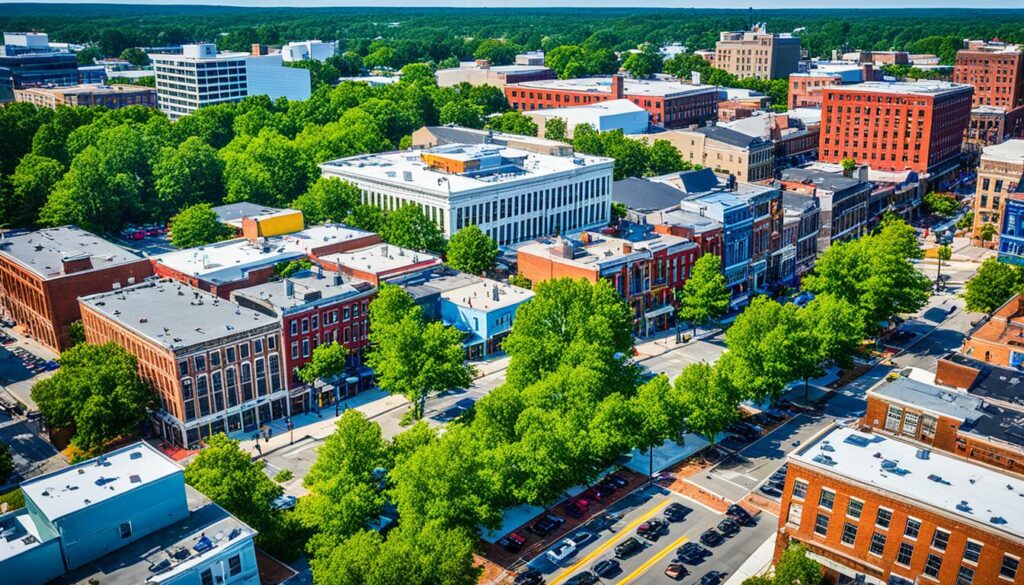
[(878, 510), (993, 125), (108, 96), (481, 72), (670, 104), (312, 309), (233, 264), (794, 133), (895, 126), (749, 158), (645, 268), (800, 230), (758, 53), (805, 88), (379, 263), (843, 201), (1000, 174), (995, 69), (999, 337), (215, 366), (43, 273)]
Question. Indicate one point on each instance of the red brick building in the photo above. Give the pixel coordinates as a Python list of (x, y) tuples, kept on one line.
[(999, 338), (995, 69), (235, 264), (43, 273), (314, 308), (670, 104), (215, 366), (379, 263), (895, 126), (647, 269), (878, 510)]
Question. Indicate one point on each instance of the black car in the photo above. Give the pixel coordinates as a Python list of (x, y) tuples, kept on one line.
[(542, 527), (729, 527), (530, 577), (691, 553), (607, 568), (556, 520), (676, 512), (711, 537), (572, 510), (740, 515), (652, 529), (768, 490), (584, 578), (628, 547), (712, 578), (618, 480)]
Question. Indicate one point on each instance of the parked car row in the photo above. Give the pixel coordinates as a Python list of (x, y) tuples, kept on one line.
[(772, 487), (33, 363), (140, 232)]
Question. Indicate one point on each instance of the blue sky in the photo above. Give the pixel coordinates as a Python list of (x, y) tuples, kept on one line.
[(1019, 4)]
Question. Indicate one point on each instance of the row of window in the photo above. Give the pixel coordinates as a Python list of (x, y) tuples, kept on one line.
[(197, 363), (312, 323)]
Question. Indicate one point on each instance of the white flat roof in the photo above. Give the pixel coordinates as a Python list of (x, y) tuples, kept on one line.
[(480, 295), (591, 111), (88, 483), (955, 486), (382, 258), (391, 168), (923, 87), (1010, 151), (23, 531), (646, 87)]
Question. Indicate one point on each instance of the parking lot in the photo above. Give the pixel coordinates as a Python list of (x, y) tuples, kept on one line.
[(31, 453), (648, 565)]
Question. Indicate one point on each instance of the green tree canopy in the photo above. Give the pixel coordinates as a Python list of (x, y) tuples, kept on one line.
[(708, 398), (513, 123), (471, 250), (31, 184), (197, 226), (994, 284), (408, 227), (796, 568), (327, 200), (97, 392), (555, 129), (644, 63), (762, 344), (188, 174), (705, 295), (6, 463), (658, 412), (329, 360)]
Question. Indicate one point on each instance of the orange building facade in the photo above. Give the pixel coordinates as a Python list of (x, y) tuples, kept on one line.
[(999, 338), (996, 70)]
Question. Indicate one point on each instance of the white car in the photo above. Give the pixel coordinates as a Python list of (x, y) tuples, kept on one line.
[(563, 550)]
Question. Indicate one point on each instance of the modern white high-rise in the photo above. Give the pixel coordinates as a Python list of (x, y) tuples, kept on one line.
[(309, 51), (513, 195), (200, 76)]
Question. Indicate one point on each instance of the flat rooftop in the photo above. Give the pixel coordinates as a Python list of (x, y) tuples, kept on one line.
[(45, 251), (923, 87), (821, 179), (957, 405), (91, 88), (233, 213), (168, 550), (497, 68), (952, 485), (638, 87), (434, 281), (406, 169), (175, 315), (231, 260), (79, 486), (1011, 151), (695, 221), (590, 111), (383, 259), (597, 251), (488, 295), (18, 534), (308, 287)]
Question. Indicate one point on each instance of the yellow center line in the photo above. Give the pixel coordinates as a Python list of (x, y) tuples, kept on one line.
[(619, 536), (647, 565)]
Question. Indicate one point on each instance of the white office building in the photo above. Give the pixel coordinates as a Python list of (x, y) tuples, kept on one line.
[(511, 194), (309, 51), (200, 76)]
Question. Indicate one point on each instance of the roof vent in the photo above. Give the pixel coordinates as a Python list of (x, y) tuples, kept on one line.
[(963, 506), (923, 453), (135, 455), (134, 479), (824, 460), (997, 520), (825, 446), (938, 479)]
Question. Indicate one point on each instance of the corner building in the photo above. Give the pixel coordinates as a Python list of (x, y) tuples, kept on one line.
[(876, 510)]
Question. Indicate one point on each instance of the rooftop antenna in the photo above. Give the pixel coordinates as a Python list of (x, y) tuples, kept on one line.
[(750, 18)]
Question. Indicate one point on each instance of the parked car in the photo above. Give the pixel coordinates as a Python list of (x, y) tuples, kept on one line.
[(583, 538), (652, 529), (542, 527), (768, 490), (583, 503), (676, 571), (712, 578), (556, 520), (691, 553), (729, 527), (529, 577), (676, 512), (617, 480), (563, 550), (283, 502), (572, 510), (740, 515), (7, 323), (607, 568), (512, 542), (628, 547), (584, 578), (711, 537)]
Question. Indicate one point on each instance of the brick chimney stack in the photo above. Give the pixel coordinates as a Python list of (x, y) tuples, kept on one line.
[(618, 91)]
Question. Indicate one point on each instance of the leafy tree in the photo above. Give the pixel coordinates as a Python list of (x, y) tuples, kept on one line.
[(419, 73), (555, 129), (830, 330), (76, 333), (88, 55), (943, 204), (286, 269), (342, 483), (327, 200), (320, 72), (764, 340), (97, 392), (619, 211), (149, 81), (758, 580), (135, 56), (31, 184), (571, 322), (266, 170), (520, 281), (410, 357), (496, 51), (19, 123), (796, 568), (513, 122), (471, 250), (188, 174), (663, 158), (988, 232), (197, 225), (462, 113), (942, 254), (408, 227), (328, 361), (6, 463), (488, 97), (644, 63), (659, 416), (705, 295), (382, 58), (849, 165), (708, 398), (993, 285), (367, 217)]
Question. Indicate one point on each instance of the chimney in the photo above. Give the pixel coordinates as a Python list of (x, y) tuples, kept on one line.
[(258, 49), (494, 293), (71, 265), (618, 91), (483, 64), (627, 248), (868, 72), (337, 279)]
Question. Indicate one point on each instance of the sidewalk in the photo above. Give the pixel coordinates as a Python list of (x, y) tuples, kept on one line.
[(757, 563), (665, 341)]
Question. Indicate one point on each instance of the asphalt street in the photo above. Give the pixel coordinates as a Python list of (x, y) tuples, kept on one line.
[(671, 363), (648, 565)]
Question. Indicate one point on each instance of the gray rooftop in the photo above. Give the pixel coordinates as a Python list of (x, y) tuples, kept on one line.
[(958, 405), (425, 284), (796, 202), (834, 182), (175, 315), (234, 212), (45, 251), (731, 137), (307, 288), (645, 196)]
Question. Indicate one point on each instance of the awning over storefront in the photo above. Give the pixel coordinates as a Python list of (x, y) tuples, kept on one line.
[(667, 309)]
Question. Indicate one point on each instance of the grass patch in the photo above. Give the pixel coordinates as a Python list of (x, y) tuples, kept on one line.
[(14, 499), (283, 475)]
